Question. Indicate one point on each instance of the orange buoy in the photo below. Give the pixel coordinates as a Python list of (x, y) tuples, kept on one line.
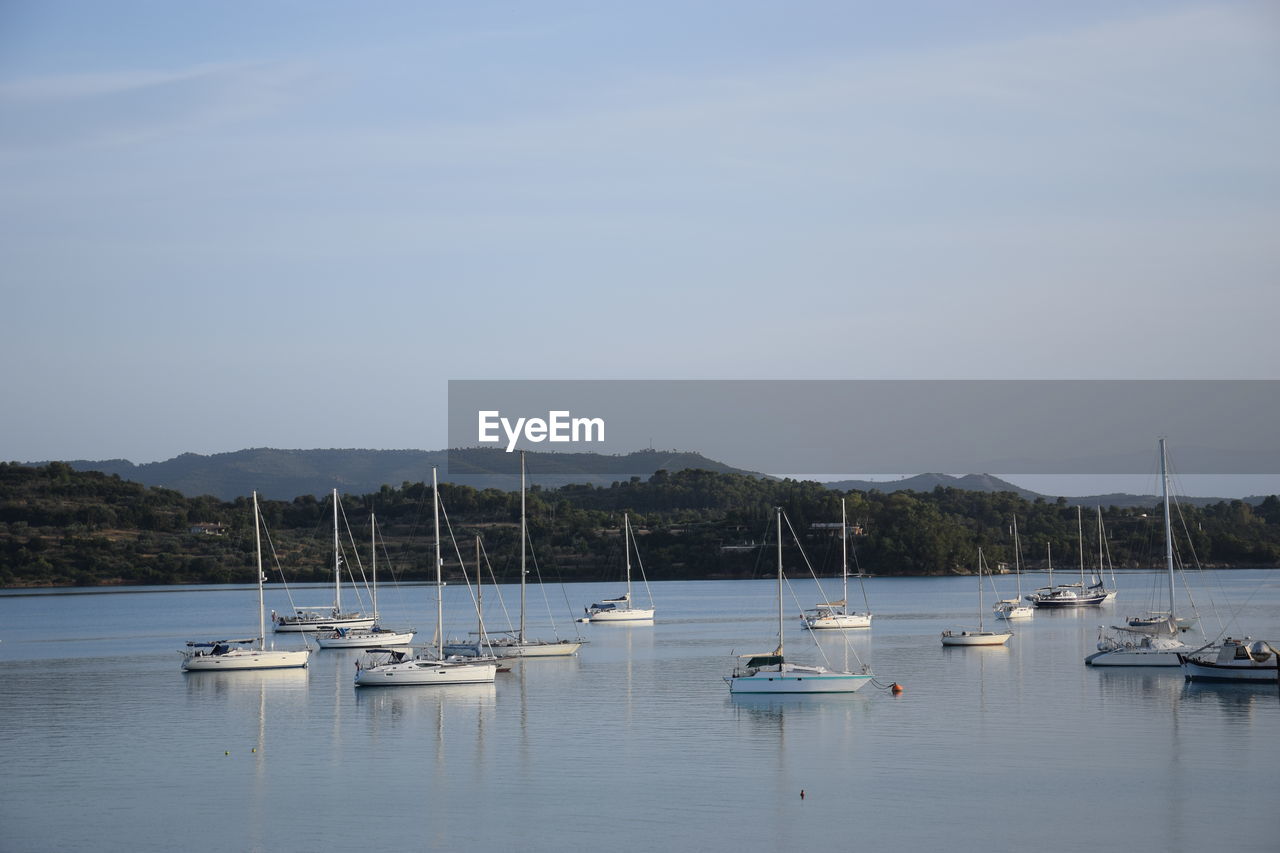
[(896, 688)]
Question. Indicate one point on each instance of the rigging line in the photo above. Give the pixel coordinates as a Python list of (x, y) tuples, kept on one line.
[(342, 511), (275, 558), (636, 548), (844, 632), (391, 569), (497, 590), (542, 587), (853, 550), (475, 604)]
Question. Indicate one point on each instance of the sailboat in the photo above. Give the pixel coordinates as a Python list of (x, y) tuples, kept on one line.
[(325, 618), (375, 635), (1071, 594), (835, 614), (393, 667), (1013, 608), (621, 609), (239, 654), (516, 644), (770, 673), (980, 637), (1153, 643)]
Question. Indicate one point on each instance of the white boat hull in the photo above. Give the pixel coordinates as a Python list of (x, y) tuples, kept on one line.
[(635, 614), (1011, 609), (1133, 657), (364, 639), (1018, 613), (975, 638), (797, 679), (836, 621), (417, 671), (246, 659), (509, 650), (289, 624)]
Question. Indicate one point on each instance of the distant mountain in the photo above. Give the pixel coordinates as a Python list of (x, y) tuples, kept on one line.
[(989, 483), (285, 474), (929, 482)]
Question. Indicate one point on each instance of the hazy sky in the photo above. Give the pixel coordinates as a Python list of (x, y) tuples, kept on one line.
[(288, 224)]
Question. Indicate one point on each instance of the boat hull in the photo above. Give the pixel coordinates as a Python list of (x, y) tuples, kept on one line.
[(506, 651), (836, 622), (359, 639), (975, 638), (246, 659), (1267, 673), (417, 672), (635, 614), (1132, 657), (289, 624), (787, 683), (1064, 603)]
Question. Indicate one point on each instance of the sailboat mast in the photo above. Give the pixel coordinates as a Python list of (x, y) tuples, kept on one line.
[(373, 543), (523, 537), (780, 631), (1048, 549), (1017, 557), (626, 544), (337, 561), (257, 539), (479, 596), (979, 590), (435, 496), (1168, 524), (1080, 544), (1100, 545), (844, 558)]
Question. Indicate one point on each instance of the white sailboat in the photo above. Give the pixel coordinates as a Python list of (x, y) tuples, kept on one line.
[(771, 673), (1012, 608), (1110, 594), (394, 667), (1154, 644), (239, 654), (981, 636), (836, 614), (326, 618), (621, 609), (374, 636), (516, 644)]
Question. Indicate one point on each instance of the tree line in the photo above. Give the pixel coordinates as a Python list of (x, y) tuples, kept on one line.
[(59, 526)]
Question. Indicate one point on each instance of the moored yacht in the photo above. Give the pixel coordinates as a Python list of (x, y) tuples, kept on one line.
[(393, 667), (622, 609), (836, 614), (241, 654)]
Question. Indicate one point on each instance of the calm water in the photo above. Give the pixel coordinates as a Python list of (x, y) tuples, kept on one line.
[(633, 745)]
